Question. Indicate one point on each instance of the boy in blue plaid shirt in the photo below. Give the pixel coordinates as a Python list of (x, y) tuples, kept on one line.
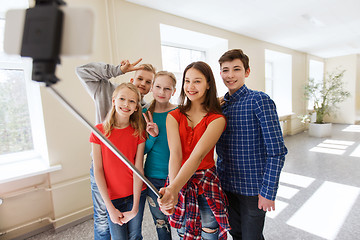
[(251, 151)]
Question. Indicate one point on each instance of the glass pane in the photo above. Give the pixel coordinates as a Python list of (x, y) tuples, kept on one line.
[(170, 56), (2, 32), (15, 128)]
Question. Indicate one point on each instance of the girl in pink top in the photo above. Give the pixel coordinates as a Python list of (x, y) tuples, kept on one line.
[(194, 198)]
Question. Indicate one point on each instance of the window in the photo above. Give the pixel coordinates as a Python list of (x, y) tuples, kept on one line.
[(21, 119), (278, 80), (176, 59), (269, 78), (181, 47), (316, 72)]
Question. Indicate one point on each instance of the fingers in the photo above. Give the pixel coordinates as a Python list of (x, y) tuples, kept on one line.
[(265, 204), (150, 119), (126, 66), (150, 116), (168, 212), (162, 192), (133, 68), (146, 119), (136, 62), (117, 219)]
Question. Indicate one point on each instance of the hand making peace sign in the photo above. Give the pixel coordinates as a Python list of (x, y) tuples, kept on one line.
[(151, 127), (126, 66)]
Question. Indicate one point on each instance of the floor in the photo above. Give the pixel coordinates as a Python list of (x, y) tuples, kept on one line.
[(318, 196)]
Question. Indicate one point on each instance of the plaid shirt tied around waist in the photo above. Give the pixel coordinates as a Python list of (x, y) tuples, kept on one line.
[(207, 182)]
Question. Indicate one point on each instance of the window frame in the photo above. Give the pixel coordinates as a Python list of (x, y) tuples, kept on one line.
[(14, 166)]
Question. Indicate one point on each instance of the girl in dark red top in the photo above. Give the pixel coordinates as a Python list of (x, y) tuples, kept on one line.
[(194, 198)]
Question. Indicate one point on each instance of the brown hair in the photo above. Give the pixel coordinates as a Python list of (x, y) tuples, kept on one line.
[(211, 103), (161, 73), (235, 54), (136, 119)]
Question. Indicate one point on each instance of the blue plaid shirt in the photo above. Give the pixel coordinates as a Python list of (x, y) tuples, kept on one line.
[(251, 151)]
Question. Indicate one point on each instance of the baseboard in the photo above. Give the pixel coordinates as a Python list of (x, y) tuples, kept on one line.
[(76, 222), (35, 232), (297, 130), (51, 227)]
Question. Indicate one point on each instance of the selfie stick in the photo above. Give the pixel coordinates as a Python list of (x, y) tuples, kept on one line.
[(44, 21)]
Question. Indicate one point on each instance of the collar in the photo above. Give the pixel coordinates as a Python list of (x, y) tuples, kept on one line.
[(239, 93)]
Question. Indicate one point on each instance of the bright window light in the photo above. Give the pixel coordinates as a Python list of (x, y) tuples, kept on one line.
[(332, 146), (316, 72), (286, 192), (352, 128), (327, 150), (279, 207), (325, 212), (356, 152), (296, 180), (180, 47), (347, 143), (278, 80), (335, 147)]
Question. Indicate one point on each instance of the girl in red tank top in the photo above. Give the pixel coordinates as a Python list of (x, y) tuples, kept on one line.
[(194, 197)]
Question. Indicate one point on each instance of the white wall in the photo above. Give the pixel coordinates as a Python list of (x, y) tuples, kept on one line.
[(347, 109)]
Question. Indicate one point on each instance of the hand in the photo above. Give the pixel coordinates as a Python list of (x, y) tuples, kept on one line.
[(151, 127), (266, 204), (116, 216), (221, 100), (128, 216), (126, 66), (168, 200)]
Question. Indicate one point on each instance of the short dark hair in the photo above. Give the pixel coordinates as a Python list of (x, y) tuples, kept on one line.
[(235, 54)]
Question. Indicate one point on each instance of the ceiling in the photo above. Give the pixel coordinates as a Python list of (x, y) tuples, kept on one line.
[(324, 28)]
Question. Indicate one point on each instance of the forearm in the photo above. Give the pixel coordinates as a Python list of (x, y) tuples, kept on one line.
[(184, 173), (102, 186), (271, 177), (137, 192), (149, 144), (98, 71), (174, 164), (137, 182)]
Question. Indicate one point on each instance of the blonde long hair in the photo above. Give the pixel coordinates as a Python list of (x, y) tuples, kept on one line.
[(136, 120), (161, 73)]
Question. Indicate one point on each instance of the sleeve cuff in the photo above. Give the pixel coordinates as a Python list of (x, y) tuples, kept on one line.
[(268, 193)]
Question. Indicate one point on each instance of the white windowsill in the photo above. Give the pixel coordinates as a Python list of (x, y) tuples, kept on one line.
[(283, 116), (24, 169)]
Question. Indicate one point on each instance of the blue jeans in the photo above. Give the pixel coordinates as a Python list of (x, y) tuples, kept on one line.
[(246, 219), (160, 220), (207, 221), (132, 229), (101, 226)]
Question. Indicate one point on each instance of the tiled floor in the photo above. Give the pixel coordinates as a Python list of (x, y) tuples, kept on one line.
[(318, 197)]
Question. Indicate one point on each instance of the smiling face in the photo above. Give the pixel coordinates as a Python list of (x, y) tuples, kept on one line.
[(195, 85), (163, 88), (233, 74), (125, 102), (143, 80)]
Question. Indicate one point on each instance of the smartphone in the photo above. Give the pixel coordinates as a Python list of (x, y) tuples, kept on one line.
[(77, 33)]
